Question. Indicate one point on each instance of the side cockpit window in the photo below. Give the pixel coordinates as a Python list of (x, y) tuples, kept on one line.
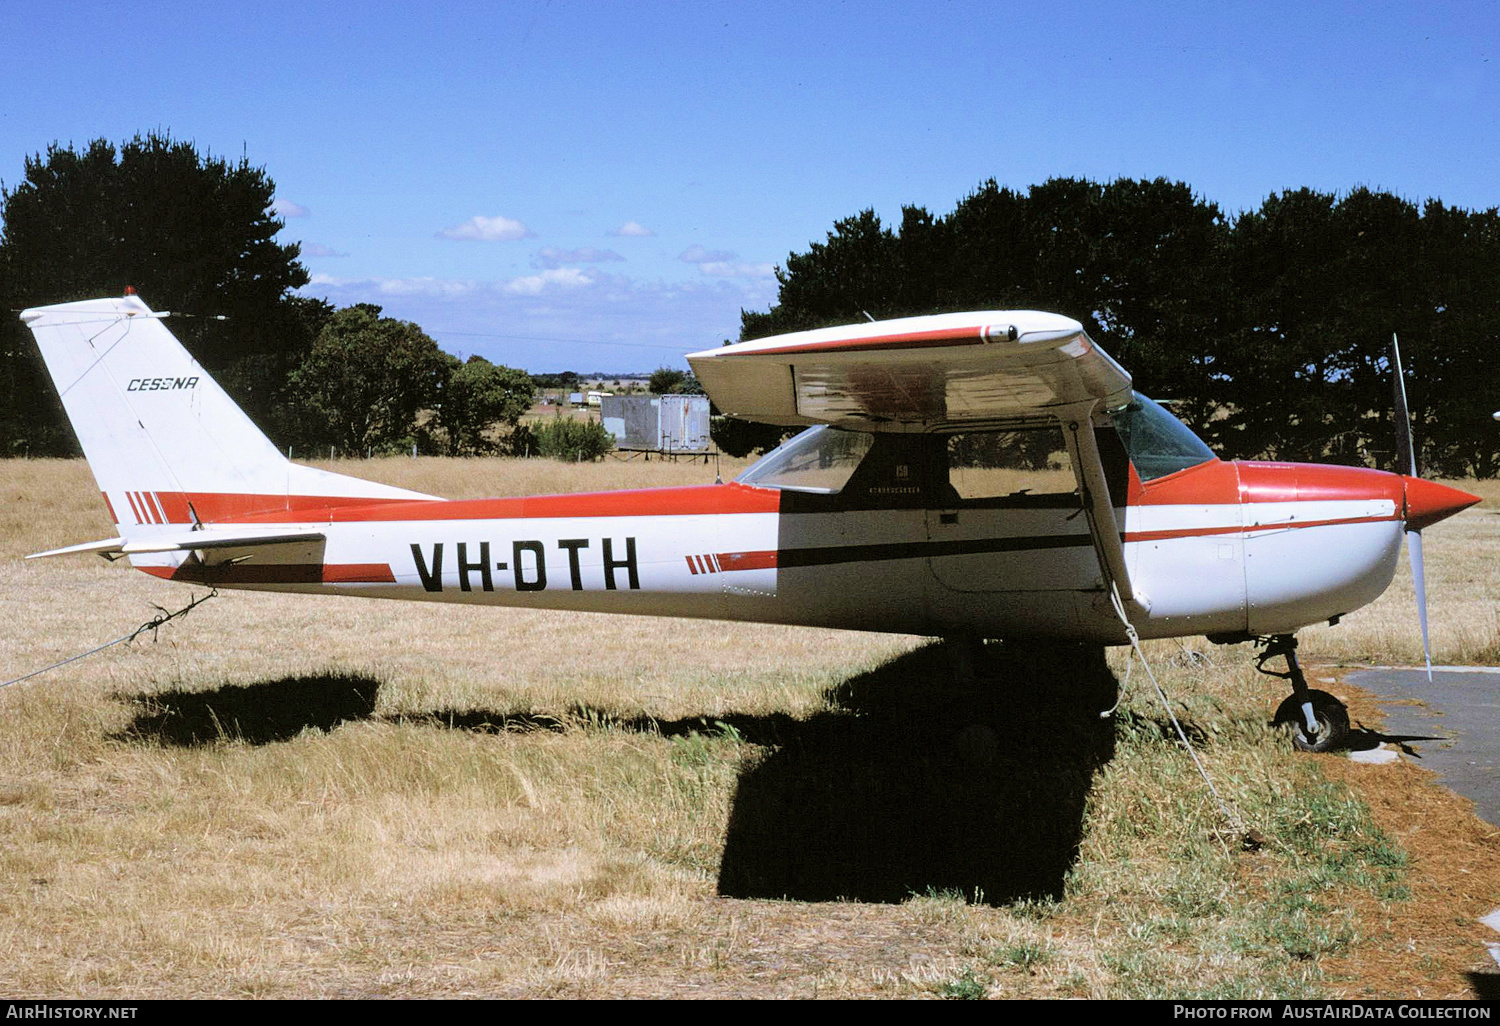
[(1157, 442), (819, 460), (1023, 465), (827, 468)]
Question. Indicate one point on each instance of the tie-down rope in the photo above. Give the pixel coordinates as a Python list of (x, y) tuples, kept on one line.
[(162, 618)]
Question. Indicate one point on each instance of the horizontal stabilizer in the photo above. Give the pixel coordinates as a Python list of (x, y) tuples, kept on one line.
[(106, 547), (187, 541)]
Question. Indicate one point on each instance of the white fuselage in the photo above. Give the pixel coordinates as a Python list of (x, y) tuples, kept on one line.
[(732, 552)]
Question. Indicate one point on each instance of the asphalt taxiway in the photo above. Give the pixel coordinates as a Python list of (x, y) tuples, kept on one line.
[(1451, 725)]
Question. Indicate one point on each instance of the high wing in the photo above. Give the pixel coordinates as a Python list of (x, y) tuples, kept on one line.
[(916, 372), (942, 370)]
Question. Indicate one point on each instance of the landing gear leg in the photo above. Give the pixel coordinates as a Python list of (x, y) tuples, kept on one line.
[(1319, 721)]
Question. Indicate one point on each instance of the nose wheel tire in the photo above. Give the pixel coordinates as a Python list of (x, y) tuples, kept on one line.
[(1330, 714)]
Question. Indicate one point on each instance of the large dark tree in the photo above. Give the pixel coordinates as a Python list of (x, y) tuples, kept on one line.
[(1321, 283), (1269, 332), (1454, 371), (1136, 261), (192, 233)]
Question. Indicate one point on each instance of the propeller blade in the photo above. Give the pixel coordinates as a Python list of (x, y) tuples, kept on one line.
[(1406, 456), (1419, 584)]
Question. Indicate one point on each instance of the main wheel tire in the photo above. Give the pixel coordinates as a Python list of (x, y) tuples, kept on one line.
[(1332, 717)]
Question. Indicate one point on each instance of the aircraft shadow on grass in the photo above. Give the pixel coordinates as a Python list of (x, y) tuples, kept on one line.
[(1363, 739), (922, 782), (1486, 986), (916, 781), (257, 714)]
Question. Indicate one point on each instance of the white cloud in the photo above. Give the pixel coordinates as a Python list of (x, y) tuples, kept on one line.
[(634, 230), (445, 288), (347, 291), (732, 269), (628, 323), (286, 208), (317, 249), (551, 257), (488, 229), (550, 280), (719, 263), (699, 255)]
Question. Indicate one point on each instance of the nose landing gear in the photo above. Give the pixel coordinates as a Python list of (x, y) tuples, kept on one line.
[(1319, 722)]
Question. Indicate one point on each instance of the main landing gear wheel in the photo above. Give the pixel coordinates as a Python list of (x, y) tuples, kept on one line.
[(1331, 716)]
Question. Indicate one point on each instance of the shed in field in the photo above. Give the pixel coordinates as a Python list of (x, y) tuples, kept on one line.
[(668, 424)]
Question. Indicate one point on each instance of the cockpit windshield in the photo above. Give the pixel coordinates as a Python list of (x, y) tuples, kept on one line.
[(1158, 443)]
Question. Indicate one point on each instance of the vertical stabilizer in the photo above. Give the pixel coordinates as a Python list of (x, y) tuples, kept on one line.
[(166, 444)]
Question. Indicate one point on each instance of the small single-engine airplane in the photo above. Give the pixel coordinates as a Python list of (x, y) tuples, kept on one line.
[(967, 475)]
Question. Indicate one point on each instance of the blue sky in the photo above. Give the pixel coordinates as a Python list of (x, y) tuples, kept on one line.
[(603, 186)]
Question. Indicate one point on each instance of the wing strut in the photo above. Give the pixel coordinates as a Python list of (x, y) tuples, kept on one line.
[(1088, 470)]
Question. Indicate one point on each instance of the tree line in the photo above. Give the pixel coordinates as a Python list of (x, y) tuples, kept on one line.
[(1268, 329), (197, 235)]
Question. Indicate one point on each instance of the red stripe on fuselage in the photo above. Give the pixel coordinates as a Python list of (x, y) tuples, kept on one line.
[(692, 500), (221, 507), (277, 573), (1201, 532), (1212, 483), (764, 560)]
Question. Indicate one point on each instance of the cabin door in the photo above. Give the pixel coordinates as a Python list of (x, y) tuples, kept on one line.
[(1008, 517)]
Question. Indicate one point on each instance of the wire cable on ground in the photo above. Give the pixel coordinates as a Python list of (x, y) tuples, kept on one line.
[(162, 618), (1249, 839)]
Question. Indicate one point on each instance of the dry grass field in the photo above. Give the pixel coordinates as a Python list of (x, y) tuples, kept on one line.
[(301, 797)]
